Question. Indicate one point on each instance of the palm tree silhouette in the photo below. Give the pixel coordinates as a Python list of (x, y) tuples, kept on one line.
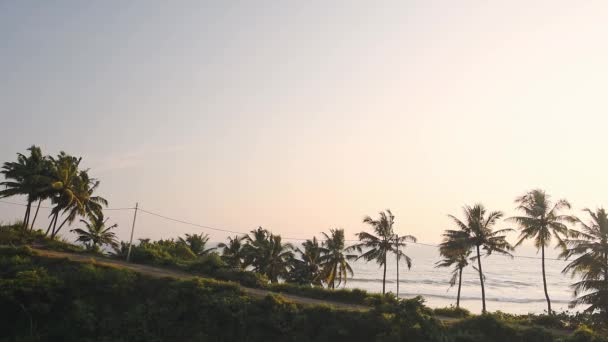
[(541, 221), (197, 243), (335, 260), (590, 247), (476, 233), (96, 233), (378, 246), (28, 176), (455, 253), (232, 252), (267, 254), (307, 269)]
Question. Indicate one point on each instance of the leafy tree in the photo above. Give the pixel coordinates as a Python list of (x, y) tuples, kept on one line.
[(476, 232), (377, 247), (232, 252), (589, 246), (28, 176), (197, 243), (541, 221), (334, 259), (307, 269), (96, 233), (267, 254), (455, 254)]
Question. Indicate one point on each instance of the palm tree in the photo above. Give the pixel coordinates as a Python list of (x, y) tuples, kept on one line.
[(590, 247), (72, 192), (27, 176), (541, 221), (64, 172), (267, 254), (334, 259), (455, 254), (477, 232), (97, 233), (232, 252), (399, 243), (307, 270), (377, 246), (197, 243)]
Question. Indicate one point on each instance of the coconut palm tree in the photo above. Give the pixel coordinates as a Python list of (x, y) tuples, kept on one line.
[(399, 244), (232, 252), (334, 259), (455, 254), (267, 254), (377, 246), (197, 243), (64, 170), (86, 205), (476, 232), (590, 247), (541, 222), (96, 233), (308, 269), (28, 176)]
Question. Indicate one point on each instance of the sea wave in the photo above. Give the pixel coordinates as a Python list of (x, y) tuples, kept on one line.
[(495, 283), (489, 299)]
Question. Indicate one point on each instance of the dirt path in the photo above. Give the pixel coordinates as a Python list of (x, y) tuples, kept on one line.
[(163, 272)]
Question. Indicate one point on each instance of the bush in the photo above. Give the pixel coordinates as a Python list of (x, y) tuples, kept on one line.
[(245, 278), (351, 296), (43, 299), (452, 311), (208, 265)]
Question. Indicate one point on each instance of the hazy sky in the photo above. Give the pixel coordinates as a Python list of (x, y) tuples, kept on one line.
[(304, 116)]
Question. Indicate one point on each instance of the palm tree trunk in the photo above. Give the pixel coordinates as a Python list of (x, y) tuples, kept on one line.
[(384, 277), (26, 218), (60, 226), (459, 287), (53, 219), (542, 248), (397, 271), (483, 290), (35, 215)]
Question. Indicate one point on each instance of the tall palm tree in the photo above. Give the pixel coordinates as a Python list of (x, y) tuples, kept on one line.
[(308, 269), (590, 247), (541, 221), (334, 259), (197, 243), (377, 246), (28, 176), (64, 178), (399, 244), (455, 254), (96, 233), (85, 205), (232, 252), (267, 254), (476, 232)]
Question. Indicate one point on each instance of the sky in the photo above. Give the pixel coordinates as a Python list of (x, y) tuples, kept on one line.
[(305, 116)]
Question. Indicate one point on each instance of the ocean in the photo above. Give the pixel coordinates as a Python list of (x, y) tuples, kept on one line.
[(512, 285)]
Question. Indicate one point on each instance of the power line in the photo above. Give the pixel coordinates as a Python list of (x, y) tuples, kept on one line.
[(301, 239), (244, 233)]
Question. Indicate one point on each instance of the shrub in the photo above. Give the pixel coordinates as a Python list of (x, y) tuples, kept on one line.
[(452, 311)]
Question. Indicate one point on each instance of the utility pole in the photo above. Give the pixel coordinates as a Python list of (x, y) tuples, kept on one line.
[(132, 230), (397, 246)]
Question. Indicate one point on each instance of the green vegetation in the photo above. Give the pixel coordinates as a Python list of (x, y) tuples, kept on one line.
[(590, 247), (46, 299), (377, 247), (541, 222), (477, 233), (99, 303)]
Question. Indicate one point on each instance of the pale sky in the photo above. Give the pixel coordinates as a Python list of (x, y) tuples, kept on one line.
[(305, 116)]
